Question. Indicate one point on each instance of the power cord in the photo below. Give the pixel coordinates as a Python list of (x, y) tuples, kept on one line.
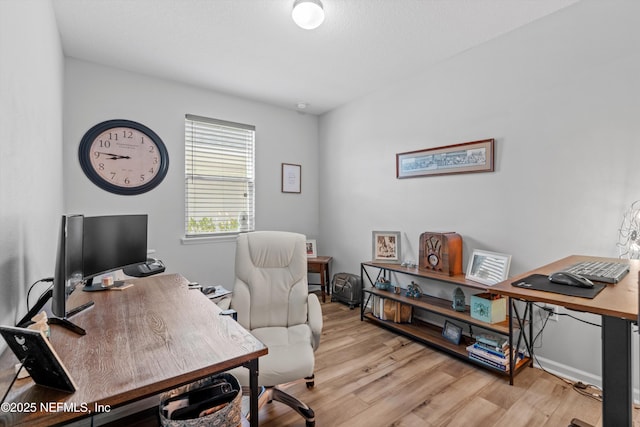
[(588, 390), (46, 279)]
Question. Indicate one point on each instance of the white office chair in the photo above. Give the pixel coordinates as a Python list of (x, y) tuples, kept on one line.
[(273, 302)]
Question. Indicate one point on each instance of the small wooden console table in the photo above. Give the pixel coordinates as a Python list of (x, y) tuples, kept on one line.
[(321, 265)]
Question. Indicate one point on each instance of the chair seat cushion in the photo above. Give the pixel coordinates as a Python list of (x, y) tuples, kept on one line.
[(290, 355)]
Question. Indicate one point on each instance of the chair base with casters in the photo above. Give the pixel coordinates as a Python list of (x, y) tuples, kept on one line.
[(269, 394), (295, 404)]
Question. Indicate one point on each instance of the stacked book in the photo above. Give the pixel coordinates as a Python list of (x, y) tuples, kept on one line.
[(491, 350)]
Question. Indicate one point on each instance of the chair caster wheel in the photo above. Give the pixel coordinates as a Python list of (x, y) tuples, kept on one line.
[(310, 381), (310, 424)]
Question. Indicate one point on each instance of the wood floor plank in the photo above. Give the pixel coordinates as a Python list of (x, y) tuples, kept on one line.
[(369, 376)]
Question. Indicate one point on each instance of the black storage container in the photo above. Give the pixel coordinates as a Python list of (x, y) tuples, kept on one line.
[(346, 288)]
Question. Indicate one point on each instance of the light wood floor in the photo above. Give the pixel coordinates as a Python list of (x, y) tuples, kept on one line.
[(368, 376)]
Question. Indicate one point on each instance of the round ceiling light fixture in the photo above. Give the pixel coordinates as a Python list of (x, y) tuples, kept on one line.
[(308, 14)]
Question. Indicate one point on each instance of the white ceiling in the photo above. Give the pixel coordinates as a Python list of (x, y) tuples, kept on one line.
[(252, 48)]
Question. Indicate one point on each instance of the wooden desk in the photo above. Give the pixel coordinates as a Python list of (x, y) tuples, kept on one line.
[(144, 340), (618, 306), (320, 264)]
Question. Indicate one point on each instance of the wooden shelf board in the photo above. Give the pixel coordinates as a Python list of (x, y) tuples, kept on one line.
[(432, 335), (442, 307), (457, 279)]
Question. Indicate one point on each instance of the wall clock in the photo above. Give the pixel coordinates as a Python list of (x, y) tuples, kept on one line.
[(123, 157)]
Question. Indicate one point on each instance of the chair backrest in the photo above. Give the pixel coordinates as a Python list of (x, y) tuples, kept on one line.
[(271, 286)]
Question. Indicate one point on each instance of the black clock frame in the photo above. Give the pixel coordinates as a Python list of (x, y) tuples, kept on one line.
[(84, 155)]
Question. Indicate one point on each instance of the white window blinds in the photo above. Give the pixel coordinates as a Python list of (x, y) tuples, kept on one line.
[(219, 176)]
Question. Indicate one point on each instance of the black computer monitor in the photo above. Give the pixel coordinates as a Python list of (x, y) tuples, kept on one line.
[(111, 243), (68, 270)]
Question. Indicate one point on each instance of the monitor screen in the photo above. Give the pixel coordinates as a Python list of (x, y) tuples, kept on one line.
[(68, 270), (113, 242)]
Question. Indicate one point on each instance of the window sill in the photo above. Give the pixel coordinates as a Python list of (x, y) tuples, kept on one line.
[(232, 237)]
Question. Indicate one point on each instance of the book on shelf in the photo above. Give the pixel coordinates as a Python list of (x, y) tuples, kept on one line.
[(500, 366), (493, 341), (490, 349), (480, 352)]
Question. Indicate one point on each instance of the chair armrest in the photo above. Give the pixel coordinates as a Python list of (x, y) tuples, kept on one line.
[(315, 319)]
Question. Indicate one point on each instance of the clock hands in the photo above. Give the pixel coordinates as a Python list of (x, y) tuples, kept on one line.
[(114, 156)]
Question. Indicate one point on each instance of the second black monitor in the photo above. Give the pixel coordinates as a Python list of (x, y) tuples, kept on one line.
[(113, 242)]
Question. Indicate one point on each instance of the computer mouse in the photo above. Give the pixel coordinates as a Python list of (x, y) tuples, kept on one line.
[(208, 290), (565, 278)]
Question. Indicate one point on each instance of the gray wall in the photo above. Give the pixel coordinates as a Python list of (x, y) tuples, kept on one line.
[(561, 98), (95, 93), (31, 196)]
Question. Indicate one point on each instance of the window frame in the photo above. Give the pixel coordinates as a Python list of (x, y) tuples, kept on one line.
[(231, 146)]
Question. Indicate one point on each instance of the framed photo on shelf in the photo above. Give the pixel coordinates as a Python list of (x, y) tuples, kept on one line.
[(312, 250), (476, 156), (386, 246), (452, 332), (291, 178), (488, 268)]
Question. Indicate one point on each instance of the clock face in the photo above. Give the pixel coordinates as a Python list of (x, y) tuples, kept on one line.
[(123, 157), (433, 259)]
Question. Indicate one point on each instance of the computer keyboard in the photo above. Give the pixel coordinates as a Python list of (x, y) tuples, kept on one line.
[(600, 271)]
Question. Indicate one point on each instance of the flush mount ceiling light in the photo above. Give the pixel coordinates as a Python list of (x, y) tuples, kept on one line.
[(308, 14)]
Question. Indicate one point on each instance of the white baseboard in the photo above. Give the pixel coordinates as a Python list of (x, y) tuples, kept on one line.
[(567, 372), (574, 374)]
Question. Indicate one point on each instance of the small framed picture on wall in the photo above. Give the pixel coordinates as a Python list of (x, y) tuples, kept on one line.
[(291, 178)]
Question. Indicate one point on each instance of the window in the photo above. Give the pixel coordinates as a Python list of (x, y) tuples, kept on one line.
[(219, 177)]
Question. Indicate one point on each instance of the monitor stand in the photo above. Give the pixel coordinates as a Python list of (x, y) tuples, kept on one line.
[(90, 286), (26, 320), (66, 323)]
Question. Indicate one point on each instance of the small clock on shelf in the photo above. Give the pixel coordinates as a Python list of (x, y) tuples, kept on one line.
[(123, 157)]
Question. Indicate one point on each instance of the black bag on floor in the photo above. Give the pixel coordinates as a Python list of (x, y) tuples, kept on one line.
[(346, 288)]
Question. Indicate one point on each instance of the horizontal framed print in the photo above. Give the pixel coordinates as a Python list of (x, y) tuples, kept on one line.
[(476, 156), (452, 332), (386, 246), (312, 250), (291, 178), (488, 268)]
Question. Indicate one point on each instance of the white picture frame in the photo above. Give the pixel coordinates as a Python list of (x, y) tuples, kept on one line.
[(386, 246), (312, 250), (487, 267)]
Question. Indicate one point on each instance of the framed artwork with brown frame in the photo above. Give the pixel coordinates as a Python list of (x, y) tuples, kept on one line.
[(291, 178), (475, 156)]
